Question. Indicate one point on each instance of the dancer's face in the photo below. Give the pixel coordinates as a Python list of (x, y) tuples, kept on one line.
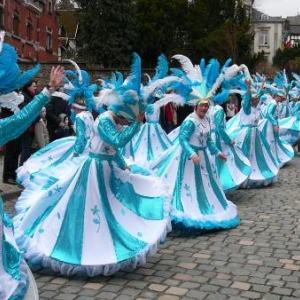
[(201, 109)]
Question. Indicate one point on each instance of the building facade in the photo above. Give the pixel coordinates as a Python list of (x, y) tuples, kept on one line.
[(268, 33), (32, 27), (293, 31)]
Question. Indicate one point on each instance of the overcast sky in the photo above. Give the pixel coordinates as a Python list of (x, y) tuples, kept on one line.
[(275, 8)]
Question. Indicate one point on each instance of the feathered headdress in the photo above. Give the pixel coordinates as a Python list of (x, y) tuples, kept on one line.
[(126, 100), (77, 85), (206, 80), (281, 85)]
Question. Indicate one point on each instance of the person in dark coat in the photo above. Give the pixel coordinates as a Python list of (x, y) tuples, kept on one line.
[(29, 91), (11, 154), (55, 107)]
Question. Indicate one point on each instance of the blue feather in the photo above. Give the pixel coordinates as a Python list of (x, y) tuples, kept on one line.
[(135, 75), (11, 78), (221, 97), (120, 78), (202, 66), (161, 68), (226, 65)]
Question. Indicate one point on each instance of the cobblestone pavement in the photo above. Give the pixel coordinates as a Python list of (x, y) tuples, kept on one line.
[(260, 259)]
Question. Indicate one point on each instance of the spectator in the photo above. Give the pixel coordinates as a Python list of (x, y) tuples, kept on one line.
[(55, 107), (64, 129), (29, 91), (169, 121), (11, 154), (41, 135), (230, 108)]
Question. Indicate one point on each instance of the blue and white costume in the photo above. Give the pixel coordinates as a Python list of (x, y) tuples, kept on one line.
[(236, 169), (254, 146), (282, 151), (57, 152), (151, 140), (198, 199), (284, 109), (289, 128), (14, 273), (100, 218)]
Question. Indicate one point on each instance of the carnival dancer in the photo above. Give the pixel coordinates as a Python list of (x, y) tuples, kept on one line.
[(289, 128), (79, 93), (151, 140), (16, 280), (104, 216), (269, 127), (254, 145), (199, 202), (198, 198), (236, 169)]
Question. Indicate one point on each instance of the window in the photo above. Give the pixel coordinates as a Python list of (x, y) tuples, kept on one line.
[(264, 17), (264, 36), (16, 23), (29, 30), (50, 7), (49, 40)]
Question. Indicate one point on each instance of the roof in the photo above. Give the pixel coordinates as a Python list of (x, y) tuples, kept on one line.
[(260, 17), (294, 20)]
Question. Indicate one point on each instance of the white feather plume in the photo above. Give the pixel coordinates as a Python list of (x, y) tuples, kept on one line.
[(149, 90), (232, 71), (167, 98), (192, 72), (247, 73), (107, 97), (77, 69)]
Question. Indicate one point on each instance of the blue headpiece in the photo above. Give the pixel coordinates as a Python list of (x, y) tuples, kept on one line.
[(126, 100), (205, 80), (78, 86)]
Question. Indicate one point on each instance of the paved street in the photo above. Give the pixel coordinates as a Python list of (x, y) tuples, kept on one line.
[(260, 259)]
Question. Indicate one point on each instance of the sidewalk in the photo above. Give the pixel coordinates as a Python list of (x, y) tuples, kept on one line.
[(9, 191)]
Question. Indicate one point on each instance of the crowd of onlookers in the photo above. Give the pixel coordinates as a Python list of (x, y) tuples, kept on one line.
[(52, 123)]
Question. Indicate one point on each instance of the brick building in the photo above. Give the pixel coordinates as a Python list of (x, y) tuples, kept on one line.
[(32, 27)]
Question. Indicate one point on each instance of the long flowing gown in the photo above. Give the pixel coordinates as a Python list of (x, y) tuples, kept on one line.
[(100, 218), (289, 128), (254, 146), (151, 140), (236, 169), (284, 109), (282, 150), (14, 273), (199, 202), (52, 155)]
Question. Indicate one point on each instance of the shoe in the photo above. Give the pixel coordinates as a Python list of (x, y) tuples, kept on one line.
[(10, 181)]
